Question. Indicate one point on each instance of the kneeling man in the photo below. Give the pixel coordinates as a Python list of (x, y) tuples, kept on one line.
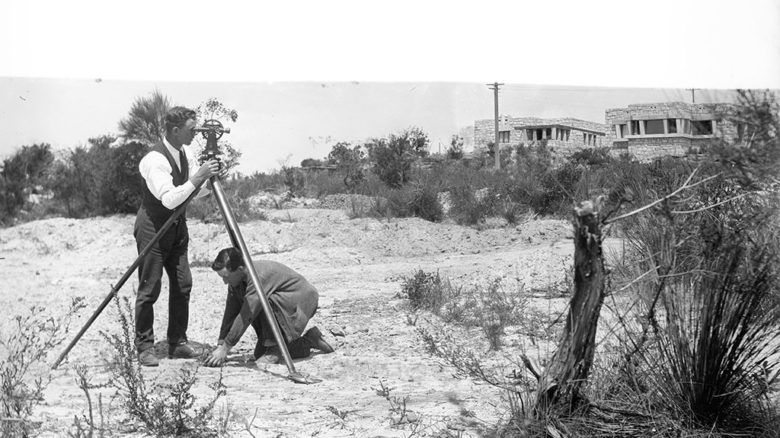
[(292, 298)]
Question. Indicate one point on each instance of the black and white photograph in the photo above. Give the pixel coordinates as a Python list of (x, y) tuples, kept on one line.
[(494, 219)]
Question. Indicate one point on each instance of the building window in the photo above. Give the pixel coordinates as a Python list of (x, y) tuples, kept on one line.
[(529, 133), (672, 124), (701, 127), (621, 130), (503, 136), (589, 139), (635, 127), (654, 127)]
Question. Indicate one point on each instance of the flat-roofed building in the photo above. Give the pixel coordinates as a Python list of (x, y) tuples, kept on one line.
[(564, 135), (651, 130)]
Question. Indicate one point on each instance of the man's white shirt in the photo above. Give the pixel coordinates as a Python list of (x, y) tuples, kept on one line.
[(156, 171)]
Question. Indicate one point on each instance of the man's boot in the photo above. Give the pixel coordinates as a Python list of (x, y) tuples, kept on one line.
[(270, 356), (314, 338), (259, 350), (147, 358), (183, 351)]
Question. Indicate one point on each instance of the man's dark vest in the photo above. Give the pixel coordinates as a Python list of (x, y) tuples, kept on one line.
[(156, 211)]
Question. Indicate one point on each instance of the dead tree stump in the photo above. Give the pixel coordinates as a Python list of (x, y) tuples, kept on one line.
[(559, 385)]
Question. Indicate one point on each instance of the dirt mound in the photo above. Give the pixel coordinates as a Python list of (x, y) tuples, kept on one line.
[(51, 236), (343, 201), (268, 200)]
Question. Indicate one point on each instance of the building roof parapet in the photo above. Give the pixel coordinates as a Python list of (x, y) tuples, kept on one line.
[(566, 122), (669, 109)]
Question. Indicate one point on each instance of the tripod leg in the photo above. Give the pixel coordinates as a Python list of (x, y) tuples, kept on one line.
[(235, 236), (114, 290)]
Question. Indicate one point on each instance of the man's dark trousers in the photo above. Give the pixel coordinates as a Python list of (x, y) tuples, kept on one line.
[(170, 254), (298, 348)]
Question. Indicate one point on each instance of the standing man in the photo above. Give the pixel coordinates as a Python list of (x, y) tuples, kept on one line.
[(171, 174), (293, 300)]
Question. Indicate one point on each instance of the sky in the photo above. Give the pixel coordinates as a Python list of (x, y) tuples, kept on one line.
[(306, 75)]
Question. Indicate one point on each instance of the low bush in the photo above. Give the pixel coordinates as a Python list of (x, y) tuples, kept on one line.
[(20, 175), (25, 343), (425, 204), (160, 409), (470, 207), (424, 290), (488, 306)]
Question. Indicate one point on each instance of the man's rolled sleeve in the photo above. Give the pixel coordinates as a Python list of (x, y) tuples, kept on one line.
[(156, 171)]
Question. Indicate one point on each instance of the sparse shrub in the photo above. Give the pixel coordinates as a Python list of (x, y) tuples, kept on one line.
[(455, 151), (511, 211), (20, 176), (160, 408), (380, 208), (424, 290), (489, 155), (470, 207), (393, 157), (322, 183), (425, 204), (499, 309), (294, 180), (124, 179), (99, 178), (24, 346), (85, 426), (489, 307), (349, 162), (555, 194), (592, 157), (516, 387), (397, 203), (398, 405), (359, 208)]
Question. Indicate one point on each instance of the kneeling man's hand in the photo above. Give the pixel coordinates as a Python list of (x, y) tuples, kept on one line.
[(217, 357)]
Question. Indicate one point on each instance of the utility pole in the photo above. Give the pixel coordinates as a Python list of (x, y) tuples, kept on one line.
[(693, 94), (496, 150)]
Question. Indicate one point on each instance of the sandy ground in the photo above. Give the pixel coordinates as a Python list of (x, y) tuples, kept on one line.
[(358, 266)]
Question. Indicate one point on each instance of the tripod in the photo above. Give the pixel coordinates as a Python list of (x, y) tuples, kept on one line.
[(212, 130)]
